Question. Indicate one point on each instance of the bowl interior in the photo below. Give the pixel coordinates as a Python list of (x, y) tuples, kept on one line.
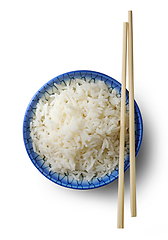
[(48, 89)]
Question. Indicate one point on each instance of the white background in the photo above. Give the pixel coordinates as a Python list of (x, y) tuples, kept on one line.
[(42, 39)]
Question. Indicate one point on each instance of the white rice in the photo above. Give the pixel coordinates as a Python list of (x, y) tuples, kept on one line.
[(76, 130)]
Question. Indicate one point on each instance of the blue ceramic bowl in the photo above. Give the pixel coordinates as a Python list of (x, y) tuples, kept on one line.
[(39, 163)]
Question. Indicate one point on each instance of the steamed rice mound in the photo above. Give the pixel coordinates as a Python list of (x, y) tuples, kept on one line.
[(77, 129)]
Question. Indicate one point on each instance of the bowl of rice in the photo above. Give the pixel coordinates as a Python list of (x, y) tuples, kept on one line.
[(71, 129)]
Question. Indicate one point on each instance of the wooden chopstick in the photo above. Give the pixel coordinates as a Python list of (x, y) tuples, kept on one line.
[(131, 118), (120, 216)]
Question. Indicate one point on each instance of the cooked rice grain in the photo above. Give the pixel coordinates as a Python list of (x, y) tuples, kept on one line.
[(76, 130)]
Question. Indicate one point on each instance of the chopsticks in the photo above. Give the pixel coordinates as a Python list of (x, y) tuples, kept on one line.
[(120, 214), (131, 118), (120, 217)]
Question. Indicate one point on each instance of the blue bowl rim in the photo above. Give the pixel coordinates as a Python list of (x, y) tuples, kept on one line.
[(77, 71)]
